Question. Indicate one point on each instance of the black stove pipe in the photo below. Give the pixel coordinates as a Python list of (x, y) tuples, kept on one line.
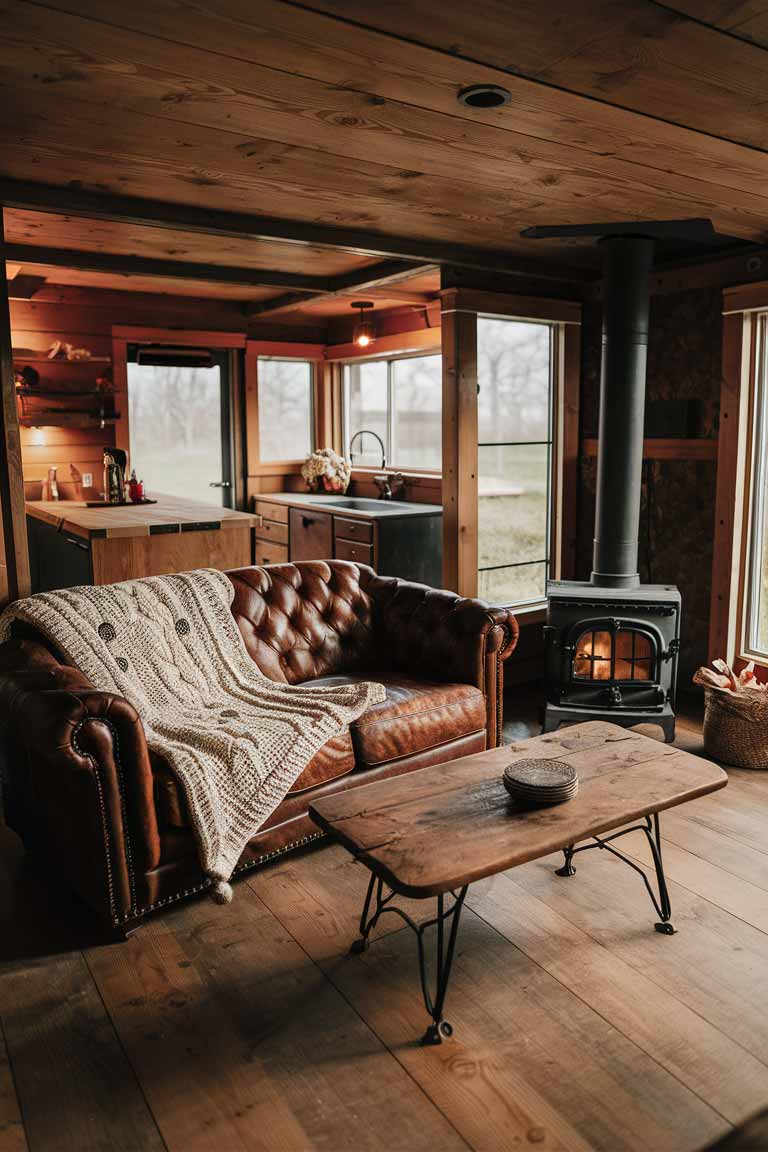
[(628, 261)]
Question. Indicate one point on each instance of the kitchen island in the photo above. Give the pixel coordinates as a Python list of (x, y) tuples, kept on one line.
[(72, 544)]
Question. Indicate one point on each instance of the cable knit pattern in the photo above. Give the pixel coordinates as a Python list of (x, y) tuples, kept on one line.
[(236, 740)]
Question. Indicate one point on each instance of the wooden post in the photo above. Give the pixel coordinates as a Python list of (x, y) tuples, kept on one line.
[(14, 562), (459, 345)]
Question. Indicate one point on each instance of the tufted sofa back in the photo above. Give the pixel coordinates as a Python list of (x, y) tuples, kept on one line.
[(321, 618), (301, 622)]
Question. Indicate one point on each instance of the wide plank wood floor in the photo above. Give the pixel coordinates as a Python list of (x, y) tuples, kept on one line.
[(250, 1027)]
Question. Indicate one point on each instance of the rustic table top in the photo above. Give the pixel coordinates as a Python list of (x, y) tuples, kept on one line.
[(440, 828), (169, 513)]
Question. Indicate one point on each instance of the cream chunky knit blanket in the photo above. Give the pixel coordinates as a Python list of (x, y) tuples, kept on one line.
[(236, 740)]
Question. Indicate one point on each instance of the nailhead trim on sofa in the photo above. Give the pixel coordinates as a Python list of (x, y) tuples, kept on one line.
[(123, 809), (248, 867)]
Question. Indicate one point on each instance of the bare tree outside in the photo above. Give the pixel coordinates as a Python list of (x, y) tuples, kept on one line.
[(366, 390), (514, 433), (417, 399), (174, 415), (285, 409), (412, 430)]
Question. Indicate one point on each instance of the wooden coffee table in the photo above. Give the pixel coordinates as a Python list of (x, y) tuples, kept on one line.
[(431, 833)]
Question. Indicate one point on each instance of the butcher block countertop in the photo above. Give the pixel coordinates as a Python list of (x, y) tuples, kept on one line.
[(169, 515)]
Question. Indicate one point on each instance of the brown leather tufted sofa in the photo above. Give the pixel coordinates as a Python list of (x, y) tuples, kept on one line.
[(82, 787)]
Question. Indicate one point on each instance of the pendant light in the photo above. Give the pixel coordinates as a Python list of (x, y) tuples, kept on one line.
[(364, 333)]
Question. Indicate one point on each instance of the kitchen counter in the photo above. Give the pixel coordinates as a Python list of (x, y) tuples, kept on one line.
[(170, 514), (71, 544), (351, 505)]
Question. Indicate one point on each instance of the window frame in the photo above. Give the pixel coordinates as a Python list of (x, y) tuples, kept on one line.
[(754, 494), (275, 350), (389, 360), (460, 308), (553, 559), (745, 338), (312, 403)]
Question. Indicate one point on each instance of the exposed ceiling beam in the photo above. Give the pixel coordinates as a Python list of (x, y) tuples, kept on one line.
[(192, 218), (389, 272), (373, 280), (165, 269)]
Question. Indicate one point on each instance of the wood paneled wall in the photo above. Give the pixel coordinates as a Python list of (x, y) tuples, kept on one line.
[(85, 318), (73, 451)]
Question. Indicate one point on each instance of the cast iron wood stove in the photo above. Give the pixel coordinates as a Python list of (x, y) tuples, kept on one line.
[(612, 654), (612, 643)]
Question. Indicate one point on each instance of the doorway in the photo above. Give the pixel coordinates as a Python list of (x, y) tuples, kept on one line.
[(180, 422)]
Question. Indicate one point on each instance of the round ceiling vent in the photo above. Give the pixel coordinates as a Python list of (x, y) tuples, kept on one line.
[(484, 96)]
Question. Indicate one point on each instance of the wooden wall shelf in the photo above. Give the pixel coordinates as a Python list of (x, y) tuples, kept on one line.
[(23, 390), (673, 448), (20, 358), (59, 419)]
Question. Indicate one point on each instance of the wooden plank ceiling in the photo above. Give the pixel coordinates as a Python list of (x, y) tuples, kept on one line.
[(343, 114)]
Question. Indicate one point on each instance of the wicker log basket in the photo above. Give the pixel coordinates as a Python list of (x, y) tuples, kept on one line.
[(735, 720)]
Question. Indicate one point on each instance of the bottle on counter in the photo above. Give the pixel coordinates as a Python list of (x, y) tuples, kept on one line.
[(114, 489), (133, 488), (50, 487)]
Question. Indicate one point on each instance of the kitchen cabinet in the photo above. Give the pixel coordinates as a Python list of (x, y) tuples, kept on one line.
[(396, 538)]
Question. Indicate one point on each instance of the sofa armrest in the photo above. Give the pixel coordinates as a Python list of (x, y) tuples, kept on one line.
[(78, 782), (442, 636)]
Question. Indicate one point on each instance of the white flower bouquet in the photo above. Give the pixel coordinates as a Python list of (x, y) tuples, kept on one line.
[(327, 469)]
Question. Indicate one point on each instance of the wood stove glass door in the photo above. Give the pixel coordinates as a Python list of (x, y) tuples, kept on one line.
[(620, 654)]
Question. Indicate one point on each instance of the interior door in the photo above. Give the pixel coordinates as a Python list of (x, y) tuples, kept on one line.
[(180, 423)]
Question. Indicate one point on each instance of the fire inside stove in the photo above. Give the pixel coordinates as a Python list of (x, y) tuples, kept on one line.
[(624, 656)]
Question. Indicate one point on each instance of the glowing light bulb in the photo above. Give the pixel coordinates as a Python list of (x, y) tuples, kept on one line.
[(364, 332)]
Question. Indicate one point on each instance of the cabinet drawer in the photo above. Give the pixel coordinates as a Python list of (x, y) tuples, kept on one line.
[(268, 553), (349, 550), (311, 535), (270, 511), (272, 531), (353, 529)]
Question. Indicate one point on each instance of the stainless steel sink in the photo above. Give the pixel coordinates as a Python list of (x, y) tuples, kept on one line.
[(360, 504)]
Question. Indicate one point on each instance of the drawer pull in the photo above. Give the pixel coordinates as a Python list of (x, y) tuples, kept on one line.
[(307, 521)]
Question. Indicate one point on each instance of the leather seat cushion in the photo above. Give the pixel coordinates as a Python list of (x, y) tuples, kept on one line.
[(416, 715), (334, 760)]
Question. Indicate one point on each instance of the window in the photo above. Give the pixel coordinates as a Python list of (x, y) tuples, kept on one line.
[(285, 409), (400, 400), (515, 382)]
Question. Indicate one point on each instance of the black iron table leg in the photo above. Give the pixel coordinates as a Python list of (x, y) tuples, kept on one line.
[(434, 1001), (567, 868), (652, 830)]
